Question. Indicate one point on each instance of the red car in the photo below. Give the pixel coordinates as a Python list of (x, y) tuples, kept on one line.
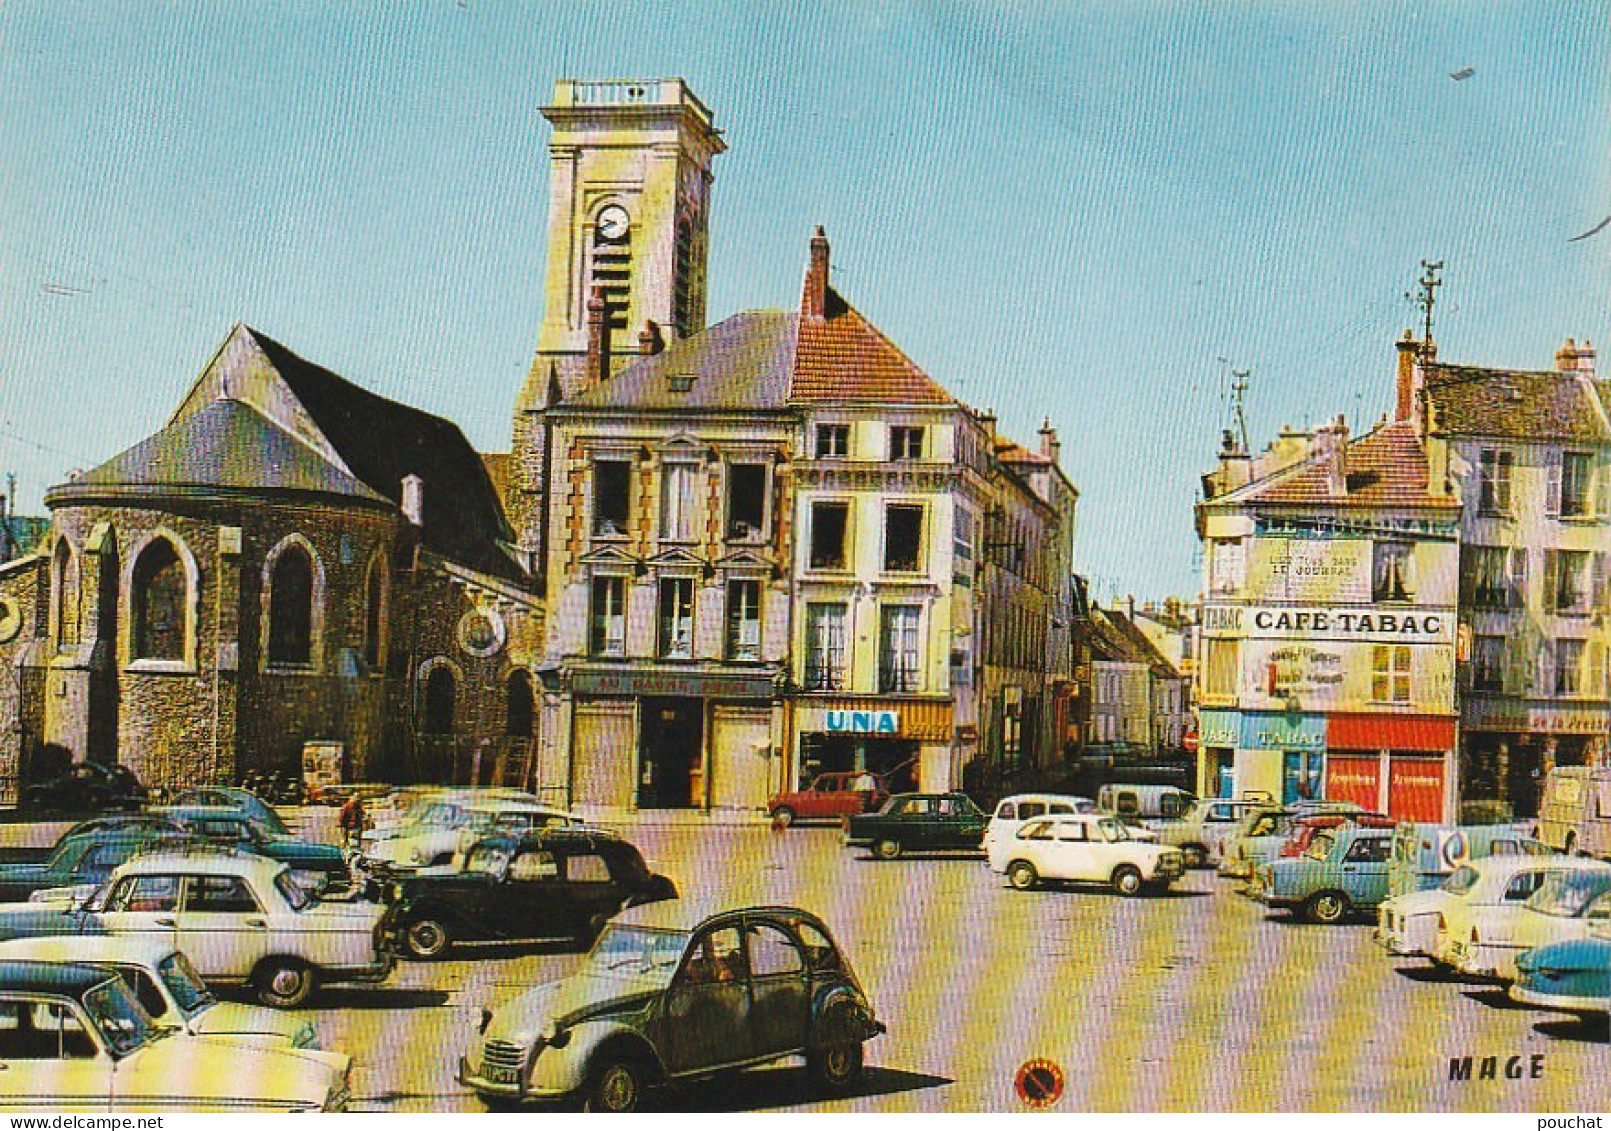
[(1305, 828), (831, 796)]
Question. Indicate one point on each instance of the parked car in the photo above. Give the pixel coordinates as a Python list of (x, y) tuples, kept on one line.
[(85, 856), (1262, 832), (423, 810), (676, 991), (1407, 924), (73, 1038), (550, 883), (918, 822), (1424, 855), (1012, 812), (452, 826), (169, 989), (1143, 802), (1573, 976), (830, 796), (242, 919), (226, 825), (1203, 829), (1574, 814), (234, 797), (1303, 829), (86, 787), (1484, 942), (1088, 848), (1343, 870)]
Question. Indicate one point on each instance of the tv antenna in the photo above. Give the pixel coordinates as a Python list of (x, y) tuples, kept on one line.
[(1238, 390), (1427, 298)]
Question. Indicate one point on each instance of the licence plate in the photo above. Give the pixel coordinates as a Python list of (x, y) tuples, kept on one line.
[(498, 1074)]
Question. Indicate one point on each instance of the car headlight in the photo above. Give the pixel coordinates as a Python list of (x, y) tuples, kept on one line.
[(396, 892)]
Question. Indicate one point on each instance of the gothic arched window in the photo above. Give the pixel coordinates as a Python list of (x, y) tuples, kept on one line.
[(64, 571), (439, 695), (290, 635), (160, 592), (518, 717), (374, 612)]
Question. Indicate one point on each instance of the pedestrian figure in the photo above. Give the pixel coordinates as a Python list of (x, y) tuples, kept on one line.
[(352, 821)]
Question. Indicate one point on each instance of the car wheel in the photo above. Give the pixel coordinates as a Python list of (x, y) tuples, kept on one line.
[(1021, 874), (783, 816), (1196, 856), (887, 849), (1127, 879), (284, 983), (836, 1068), (616, 1085), (1326, 907), (427, 939)]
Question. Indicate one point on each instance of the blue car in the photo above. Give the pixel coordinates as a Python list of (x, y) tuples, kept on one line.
[(1572, 976)]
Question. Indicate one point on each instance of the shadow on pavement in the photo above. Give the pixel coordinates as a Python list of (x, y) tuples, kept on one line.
[(1494, 997), (356, 997), (784, 1087), (1440, 975), (1591, 1030)]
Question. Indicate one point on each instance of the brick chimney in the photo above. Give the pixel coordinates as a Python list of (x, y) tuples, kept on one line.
[(1329, 449), (649, 340), (1573, 358), (1409, 378), (598, 364), (814, 298), (1050, 446)]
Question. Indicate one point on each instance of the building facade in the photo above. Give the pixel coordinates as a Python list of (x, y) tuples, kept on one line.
[(290, 560), (1529, 454), (1326, 658)]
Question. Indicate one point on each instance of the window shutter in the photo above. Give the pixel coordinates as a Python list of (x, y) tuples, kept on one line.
[(1552, 491), (1602, 488), (1552, 577), (1518, 579), (1602, 576), (1594, 685)]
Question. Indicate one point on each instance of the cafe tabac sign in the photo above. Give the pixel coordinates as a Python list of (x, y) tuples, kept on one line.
[(1378, 624)]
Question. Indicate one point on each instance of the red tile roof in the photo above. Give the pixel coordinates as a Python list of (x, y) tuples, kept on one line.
[(1385, 468), (844, 357)]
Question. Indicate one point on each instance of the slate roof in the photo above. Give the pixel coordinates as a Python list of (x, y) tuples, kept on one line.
[(1385, 468), (844, 357), (225, 444), (1516, 404), (1139, 648), (744, 361)]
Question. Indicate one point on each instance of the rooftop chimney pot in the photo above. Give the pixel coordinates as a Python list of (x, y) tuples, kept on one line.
[(814, 298)]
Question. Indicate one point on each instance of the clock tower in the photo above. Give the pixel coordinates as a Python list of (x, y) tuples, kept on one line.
[(628, 214)]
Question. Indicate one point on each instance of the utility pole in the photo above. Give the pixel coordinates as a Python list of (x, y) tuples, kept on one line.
[(1238, 389), (1426, 299)]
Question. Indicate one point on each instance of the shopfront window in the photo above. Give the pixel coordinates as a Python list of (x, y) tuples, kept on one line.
[(1390, 673)]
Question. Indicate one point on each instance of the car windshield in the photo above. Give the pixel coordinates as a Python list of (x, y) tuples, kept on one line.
[(299, 897), (1566, 894), (116, 1013), (636, 954), (1112, 830), (1320, 847), (441, 814), (488, 859), (185, 984), (1461, 880)]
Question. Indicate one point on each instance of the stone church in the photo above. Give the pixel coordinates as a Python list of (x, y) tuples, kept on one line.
[(291, 559)]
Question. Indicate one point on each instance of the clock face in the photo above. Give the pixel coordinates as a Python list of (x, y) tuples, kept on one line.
[(613, 223)]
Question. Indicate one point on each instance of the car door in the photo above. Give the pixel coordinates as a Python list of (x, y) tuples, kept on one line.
[(530, 902), (590, 890), (1076, 853), (222, 928), (48, 1056), (951, 827), (1364, 869), (707, 1015), (780, 1008), (145, 906)]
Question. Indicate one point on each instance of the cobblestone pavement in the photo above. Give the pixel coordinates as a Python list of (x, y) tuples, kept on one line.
[(1195, 1000)]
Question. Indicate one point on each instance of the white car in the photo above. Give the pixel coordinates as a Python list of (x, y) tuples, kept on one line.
[(1089, 848), (1011, 812), (169, 989), (428, 809), (1408, 924), (1485, 941), (453, 827), (244, 920), (73, 1037)]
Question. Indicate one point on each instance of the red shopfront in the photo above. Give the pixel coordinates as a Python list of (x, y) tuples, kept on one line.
[(1401, 765)]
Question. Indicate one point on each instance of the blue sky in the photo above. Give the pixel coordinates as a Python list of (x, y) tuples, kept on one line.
[(1086, 211)]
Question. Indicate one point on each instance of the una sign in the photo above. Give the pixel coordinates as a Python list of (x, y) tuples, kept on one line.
[(864, 722)]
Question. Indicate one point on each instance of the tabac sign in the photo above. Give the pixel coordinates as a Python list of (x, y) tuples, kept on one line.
[(1380, 624), (863, 722)]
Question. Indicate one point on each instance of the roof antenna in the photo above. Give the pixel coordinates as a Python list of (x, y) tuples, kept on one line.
[(1426, 300), (1238, 389)]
